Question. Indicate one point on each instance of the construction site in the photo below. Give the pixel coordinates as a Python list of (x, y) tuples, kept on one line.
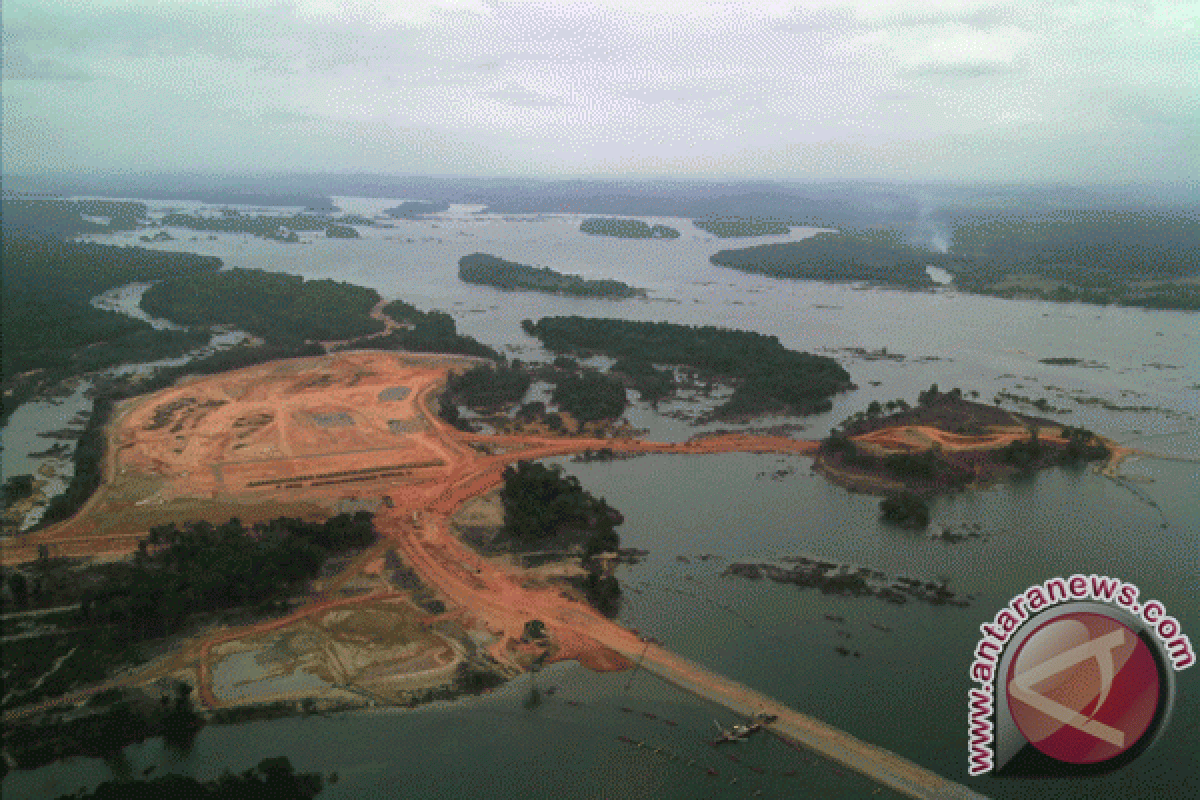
[(358, 431)]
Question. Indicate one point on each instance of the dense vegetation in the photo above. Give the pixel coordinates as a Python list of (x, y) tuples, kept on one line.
[(50, 325), (766, 375), (16, 489), (540, 502), (486, 270), (272, 779), (626, 228), (880, 258), (589, 396), (651, 383), (905, 509), (424, 332), (733, 227), (415, 208), (267, 226), (341, 232), (59, 217), (200, 567), (282, 309), (1144, 259), (112, 720), (488, 388)]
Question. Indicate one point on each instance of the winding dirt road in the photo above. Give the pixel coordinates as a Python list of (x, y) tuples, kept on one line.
[(188, 446)]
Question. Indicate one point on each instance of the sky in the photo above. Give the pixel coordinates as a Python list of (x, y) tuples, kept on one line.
[(1079, 91)]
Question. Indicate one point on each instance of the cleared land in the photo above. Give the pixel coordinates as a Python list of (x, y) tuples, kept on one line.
[(320, 432)]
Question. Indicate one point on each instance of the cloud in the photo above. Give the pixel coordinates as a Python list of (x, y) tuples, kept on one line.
[(18, 66), (850, 87)]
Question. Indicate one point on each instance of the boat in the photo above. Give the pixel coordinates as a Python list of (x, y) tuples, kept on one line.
[(737, 733)]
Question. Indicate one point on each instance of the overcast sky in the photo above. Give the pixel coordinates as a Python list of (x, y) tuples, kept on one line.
[(1035, 90)]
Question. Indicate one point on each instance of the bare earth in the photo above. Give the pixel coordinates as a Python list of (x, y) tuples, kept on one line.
[(308, 436)]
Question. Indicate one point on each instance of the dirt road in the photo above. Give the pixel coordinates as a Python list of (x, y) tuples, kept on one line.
[(359, 424)]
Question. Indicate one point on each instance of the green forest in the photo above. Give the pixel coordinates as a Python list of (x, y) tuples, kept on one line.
[(486, 388), (880, 258), (486, 270), (266, 226), (57, 216), (540, 502), (734, 227), (177, 573), (766, 375), (430, 332), (282, 309), (50, 325), (589, 396), (200, 567), (1147, 260), (626, 228)]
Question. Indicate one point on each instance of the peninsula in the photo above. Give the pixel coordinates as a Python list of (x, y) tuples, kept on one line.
[(486, 270)]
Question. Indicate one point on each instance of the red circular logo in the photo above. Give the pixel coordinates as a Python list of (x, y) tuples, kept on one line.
[(1083, 688)]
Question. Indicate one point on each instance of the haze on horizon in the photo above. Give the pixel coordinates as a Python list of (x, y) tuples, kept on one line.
[(1090, 92)]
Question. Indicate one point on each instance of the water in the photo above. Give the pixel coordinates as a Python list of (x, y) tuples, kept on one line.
[(20, 440), (907, 691)]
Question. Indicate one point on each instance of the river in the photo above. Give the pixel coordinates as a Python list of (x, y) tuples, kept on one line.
[(907, 690)]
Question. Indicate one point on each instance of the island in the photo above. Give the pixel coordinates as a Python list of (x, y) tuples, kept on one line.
[(341, 232), (487, 270), (266, 226), (736, 227), (414, 209), (626, 228), (766, 376), (944, 443)]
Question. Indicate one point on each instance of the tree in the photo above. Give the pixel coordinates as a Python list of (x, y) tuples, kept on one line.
[(19, 588), (905, 509)]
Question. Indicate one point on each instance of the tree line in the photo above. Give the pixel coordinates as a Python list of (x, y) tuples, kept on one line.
[(766, 375)]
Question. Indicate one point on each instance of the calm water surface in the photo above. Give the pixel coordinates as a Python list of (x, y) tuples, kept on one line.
[(907, 690)]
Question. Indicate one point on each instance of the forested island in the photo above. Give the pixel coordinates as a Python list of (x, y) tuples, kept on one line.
[(486, 270), (626, 228), (279, 228), (766, 376), (414, 209), (1147, 260), (736, 227), (945, 442)]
